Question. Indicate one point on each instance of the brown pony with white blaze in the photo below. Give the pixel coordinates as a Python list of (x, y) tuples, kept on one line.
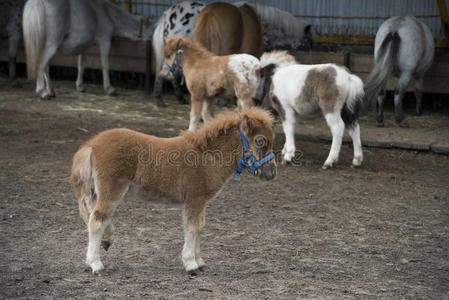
[(209, 76), (105, 166)]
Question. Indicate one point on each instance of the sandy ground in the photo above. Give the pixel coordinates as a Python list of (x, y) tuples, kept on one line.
[(379, 232)]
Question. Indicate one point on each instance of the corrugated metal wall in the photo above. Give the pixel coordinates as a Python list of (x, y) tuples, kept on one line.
[(342, 17)]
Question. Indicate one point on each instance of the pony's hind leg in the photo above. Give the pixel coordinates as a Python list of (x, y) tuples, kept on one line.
[(354, 132), (207, 111), (202, 222), (105, 47), (337, 126), (192, 215), (419, 88), (401, 88), (109, 194), (380, 108), (79, 79), (42, 79)]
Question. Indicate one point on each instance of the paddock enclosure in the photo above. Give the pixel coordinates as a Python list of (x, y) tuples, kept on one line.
[(380, 231)]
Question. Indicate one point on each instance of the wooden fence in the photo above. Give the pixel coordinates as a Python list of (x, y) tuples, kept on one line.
[(131, 56)]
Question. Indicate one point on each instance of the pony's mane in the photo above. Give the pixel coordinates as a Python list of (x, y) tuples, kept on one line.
[(289, 24), (278, 58), (225, 123), (186, 42)]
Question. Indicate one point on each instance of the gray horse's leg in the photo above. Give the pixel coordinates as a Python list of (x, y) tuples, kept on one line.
[(12, 52), (399, 92), (50, 90), (79, 79), (105, 46), (419, 88), (177, 87), (43, 89), (380, 108), (157, 91)]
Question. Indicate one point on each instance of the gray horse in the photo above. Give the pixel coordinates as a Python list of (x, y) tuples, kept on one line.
[(72, 26), (10, 20), (405, 47)]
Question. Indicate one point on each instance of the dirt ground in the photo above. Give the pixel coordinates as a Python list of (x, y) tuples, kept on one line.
[(378, 232)]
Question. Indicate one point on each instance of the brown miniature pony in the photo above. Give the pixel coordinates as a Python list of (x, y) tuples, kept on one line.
[(190, 169), (209, 76), (224, 28)]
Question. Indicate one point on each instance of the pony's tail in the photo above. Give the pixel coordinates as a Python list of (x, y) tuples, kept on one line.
[(82, 181), (34, 34), (207, 32), (158, 45), (386, 60), (354, 95)]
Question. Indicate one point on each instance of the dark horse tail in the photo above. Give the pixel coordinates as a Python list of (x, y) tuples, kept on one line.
[(386, 60)]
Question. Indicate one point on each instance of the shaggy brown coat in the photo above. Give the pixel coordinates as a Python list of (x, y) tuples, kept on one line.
[(184, 169)]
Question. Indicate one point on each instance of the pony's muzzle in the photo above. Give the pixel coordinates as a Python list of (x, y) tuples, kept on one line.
[(268, 171)]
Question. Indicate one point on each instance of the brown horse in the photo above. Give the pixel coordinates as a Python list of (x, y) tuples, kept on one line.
[(209, 76), (189, 169), (226, 29)]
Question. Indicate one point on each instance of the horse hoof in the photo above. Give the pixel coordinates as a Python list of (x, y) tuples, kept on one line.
[(111, 91), (193, 273), (380, 124), (81, 89), (97, 267), (327, 166), (105, 245), (161, 103), (403, 124)]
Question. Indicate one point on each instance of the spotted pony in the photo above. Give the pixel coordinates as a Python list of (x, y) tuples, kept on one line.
[(178, 19)]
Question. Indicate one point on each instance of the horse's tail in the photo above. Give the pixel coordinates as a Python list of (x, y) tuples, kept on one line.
[(34, 34), (158, 45), (354, 95), (385, 61), (207, 32), (82, 180)]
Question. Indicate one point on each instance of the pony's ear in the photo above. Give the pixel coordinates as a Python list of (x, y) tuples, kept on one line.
[(249, 125)]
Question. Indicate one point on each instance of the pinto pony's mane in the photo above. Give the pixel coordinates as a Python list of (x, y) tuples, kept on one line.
[(250, 120), (184, 43), (278, 58)]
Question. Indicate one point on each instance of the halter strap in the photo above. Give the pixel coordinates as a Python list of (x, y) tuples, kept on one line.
[(176, 66), (248, 160)]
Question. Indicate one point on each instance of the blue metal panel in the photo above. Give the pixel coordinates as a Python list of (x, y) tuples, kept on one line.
[(345, 17)]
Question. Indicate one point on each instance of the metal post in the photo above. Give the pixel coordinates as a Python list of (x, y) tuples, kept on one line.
[(444, 20), (148, 66)]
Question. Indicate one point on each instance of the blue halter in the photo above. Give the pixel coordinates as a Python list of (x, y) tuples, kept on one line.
[(248, 160), (176, 66)]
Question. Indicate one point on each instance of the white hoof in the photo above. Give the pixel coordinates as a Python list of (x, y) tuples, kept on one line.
[(357, 162), (190, 265), (96, 266), (200, 262)]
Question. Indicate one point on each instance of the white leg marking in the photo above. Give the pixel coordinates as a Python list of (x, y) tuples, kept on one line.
[(354, 132), (337, 127), (96, 230), (188, 251), (289, 130)]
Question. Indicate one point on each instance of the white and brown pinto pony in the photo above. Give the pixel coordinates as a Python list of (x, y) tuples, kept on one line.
[(299, 89), (209, 76), (106, 165)]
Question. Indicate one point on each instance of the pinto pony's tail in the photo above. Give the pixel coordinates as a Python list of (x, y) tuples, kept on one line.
[(158, 45), (354, 96), (82, 181), (386, 60), (34, 34)]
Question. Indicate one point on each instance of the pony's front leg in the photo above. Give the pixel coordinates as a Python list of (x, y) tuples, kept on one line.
[(202, 222), (195, 112), (157, 90), (207, 111), (105, 47), (79, 79), (14, 39), (288, 125), (337, 126)]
